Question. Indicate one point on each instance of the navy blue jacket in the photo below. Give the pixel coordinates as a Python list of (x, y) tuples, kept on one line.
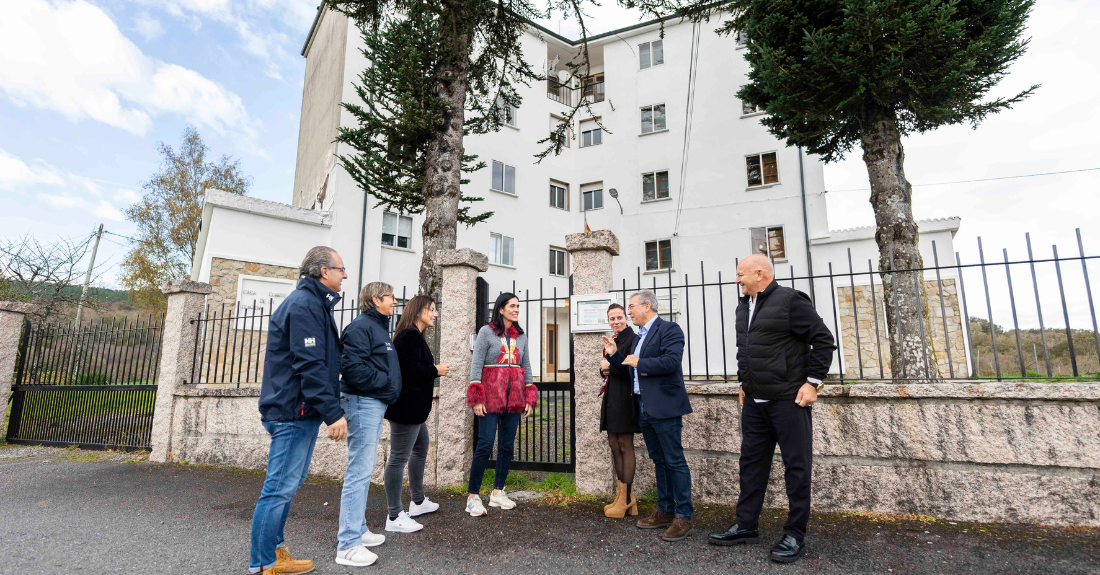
[(369, 364), (301, 366), (660, 371)]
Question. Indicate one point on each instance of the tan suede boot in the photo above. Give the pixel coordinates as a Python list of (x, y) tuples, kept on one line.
[(632, 502), (619, 495), (287, 565), (619, 507)]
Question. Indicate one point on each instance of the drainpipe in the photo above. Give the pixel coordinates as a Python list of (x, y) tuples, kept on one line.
[(363, 244), (805, 218)]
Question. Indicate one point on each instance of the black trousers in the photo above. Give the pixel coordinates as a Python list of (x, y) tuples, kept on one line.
[(763, 425)]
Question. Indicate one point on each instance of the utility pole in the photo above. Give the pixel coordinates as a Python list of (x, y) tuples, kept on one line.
[(88, 277)]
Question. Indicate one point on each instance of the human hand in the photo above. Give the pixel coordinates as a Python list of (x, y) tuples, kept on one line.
[(479, 410), (339, 430), (631, 360), (807, 395), (741, 396), (608, 345), (605, 365), (527, 409), (442, 369)]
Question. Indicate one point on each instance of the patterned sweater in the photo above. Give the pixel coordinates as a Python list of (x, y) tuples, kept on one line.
[(500, 372)]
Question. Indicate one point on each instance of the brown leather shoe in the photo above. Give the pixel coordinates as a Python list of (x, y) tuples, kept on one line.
[(287, 565), (678, 530), (655, 520)]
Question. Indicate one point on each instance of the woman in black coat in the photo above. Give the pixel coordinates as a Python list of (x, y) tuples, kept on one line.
[(617, 416), (407, 415)]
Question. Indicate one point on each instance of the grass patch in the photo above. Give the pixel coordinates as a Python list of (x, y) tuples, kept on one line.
[(648, 496)]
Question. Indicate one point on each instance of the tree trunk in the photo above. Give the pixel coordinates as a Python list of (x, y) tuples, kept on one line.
[(442, 190), (912, 356)]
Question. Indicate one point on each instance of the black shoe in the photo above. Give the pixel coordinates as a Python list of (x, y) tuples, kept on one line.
[(788, 550), (734, 536)]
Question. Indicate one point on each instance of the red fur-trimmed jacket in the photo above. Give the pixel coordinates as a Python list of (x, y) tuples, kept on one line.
[(500, 372)]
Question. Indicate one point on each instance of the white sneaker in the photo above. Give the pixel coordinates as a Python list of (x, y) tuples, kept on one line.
[(373, 539), (403, 524), (474, 506), (357, 556), (428, 506), (500, 499)]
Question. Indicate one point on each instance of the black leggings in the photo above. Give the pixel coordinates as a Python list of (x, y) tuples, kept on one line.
[(622, 453)]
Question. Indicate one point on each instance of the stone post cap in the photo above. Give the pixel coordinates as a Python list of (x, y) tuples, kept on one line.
[(187, 286), (463, 257), (597, 240), (16, 307)]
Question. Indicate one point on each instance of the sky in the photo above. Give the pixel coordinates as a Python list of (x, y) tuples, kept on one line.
[(89, 87)]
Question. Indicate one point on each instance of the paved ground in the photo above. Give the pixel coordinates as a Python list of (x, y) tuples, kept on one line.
[(67, 511)]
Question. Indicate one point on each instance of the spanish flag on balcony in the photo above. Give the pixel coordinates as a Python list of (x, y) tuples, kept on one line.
[(587, 229)]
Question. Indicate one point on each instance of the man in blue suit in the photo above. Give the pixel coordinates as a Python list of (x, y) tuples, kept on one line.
[(661, 401)]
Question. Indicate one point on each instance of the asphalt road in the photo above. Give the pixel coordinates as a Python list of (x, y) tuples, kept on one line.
[(84, 512)]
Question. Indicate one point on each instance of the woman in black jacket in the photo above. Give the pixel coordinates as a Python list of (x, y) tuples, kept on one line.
[(617, 416), (407, 415)]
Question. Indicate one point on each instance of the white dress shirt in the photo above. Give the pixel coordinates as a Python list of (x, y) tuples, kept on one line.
[(642, 333)]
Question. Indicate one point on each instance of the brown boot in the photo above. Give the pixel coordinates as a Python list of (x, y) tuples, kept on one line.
[(619, 496), (655, 521), (617, 510), (287, 565), (678, 530)]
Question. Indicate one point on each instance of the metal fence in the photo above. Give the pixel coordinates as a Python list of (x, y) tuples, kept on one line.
[(994, 343), (91, 385), (231, 339)]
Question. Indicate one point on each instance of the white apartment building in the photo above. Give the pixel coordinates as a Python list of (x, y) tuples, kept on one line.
[(698, 179)]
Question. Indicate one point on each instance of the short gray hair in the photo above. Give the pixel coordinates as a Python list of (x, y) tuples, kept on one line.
[(646, 296), (316, 258), (371, 291)]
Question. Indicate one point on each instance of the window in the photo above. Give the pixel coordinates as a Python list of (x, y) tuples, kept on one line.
[(591, 134), (559, 195), (654, 186), (504, 178), (747, 108), (592, 196), (399, 153), (502, 249), (396, 230), (769, 241), (557, 262), (566, 136), (507, 113), (742, 38), (592, 88), (762, 169), (651, 54), (653, 118), (658, 255)]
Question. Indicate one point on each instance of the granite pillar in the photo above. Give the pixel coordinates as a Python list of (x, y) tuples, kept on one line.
[(11, 330)]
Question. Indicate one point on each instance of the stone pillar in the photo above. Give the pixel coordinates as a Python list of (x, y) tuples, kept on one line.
[(177, 355), (592, 274), (11, 329), (454, 441)]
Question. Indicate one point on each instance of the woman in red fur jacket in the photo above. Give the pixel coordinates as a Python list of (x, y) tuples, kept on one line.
[(500, 390)]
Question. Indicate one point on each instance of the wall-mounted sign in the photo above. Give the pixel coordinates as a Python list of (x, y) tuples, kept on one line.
[(258, 297), (590, 312)]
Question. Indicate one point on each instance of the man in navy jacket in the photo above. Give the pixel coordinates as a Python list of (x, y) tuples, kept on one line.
[(300, 390), (661, 401)]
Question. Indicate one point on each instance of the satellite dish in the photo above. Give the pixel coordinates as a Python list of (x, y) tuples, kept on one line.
[(614, 193), (564, 75)]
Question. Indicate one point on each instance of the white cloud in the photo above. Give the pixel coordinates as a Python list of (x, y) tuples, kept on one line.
[(125, 196), (14, 172), (58, 189), (107, 211), (63, 200), (149, 27), (71, 57)]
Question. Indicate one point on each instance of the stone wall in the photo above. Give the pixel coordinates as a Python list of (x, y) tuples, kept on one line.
[(865, 349), (991, 452)]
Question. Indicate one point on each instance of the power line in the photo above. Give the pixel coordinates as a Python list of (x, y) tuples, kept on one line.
[(981, 179), (689, 116)]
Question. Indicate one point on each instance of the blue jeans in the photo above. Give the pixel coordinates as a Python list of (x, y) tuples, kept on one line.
[(364, 416), (662, 440), (488, 428), (288, 459)]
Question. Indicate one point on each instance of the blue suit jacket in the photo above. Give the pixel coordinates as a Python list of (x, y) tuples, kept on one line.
[(660, 371)]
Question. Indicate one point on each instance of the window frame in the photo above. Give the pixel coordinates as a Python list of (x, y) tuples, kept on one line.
[(513, 111), (397, 235), (649, 53), (645, 260), (767, 240), (501, 251), (760, 158), (595, 121), (656, 187), (757, 110), (503, 178), (653, 118), (596, 81), (568, 130), (592, 191), (565, 261), (563, 186)]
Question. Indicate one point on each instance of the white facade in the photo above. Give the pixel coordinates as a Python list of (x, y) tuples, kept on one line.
[(708, 216)]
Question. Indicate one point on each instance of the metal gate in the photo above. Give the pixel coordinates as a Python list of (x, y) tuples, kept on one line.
[(545, 440), (92, 386)]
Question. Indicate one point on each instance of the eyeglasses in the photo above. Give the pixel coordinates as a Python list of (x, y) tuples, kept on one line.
[(341, 269)]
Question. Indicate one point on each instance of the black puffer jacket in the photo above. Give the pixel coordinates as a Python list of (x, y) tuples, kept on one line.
[(786, 344), (369, 365)]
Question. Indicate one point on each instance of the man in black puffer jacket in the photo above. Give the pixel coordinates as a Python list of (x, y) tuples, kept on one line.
[(784, 352)]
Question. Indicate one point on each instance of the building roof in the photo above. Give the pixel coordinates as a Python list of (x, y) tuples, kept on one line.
[(950, 224)]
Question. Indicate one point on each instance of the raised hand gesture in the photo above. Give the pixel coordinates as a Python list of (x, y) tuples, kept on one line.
[(608, 345)]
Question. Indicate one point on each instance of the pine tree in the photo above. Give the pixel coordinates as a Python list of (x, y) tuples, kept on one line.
[(835, 73)]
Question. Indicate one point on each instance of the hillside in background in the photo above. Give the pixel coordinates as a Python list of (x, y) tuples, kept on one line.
[(1031, 345)]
